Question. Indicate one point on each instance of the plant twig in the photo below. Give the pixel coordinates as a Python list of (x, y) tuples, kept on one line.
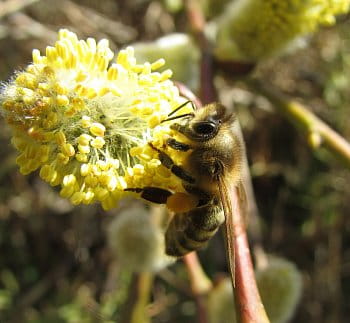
[(188, 94), (10, 6), (197, 21), (135, 310), (200, 284), (313, 127), (248, 302), (21, 26), (90, 21), (174, 281), (139, 314)]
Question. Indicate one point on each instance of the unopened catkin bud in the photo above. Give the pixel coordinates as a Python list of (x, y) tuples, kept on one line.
[(280, 286), (221, 306), (180, 54), (137, 242)]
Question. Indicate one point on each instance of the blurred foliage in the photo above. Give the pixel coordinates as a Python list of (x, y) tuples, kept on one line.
[(55, 265)]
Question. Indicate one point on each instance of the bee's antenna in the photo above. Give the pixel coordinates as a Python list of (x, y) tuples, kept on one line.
[(178, 117), (180, 107), (181, 115)]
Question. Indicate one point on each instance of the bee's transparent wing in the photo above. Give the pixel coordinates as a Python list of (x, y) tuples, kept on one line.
[(229, 229)]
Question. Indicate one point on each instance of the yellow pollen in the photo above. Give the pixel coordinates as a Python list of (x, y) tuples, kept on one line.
[(84, 139), (62, 100), (60, 138), (83, 149), (84, 169), (138, 169), (83, 158), (102, 164), (85, 122), (66, 192), (112, 73), (45, 172), (166, 75), (101, 193), (81, 76), (68, 149), (97, 142), (97, 129), (154, 121), (69, 180), (36, 56), (77, 198), (116, 91), (113, 163), (62, 158), (88, 197), (122, 183), (158, 64), (134, 151)]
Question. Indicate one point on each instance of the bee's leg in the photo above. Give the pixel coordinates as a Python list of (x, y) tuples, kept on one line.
[(180, 128), (176, 170), (192, 230), (177, 145), (203, 197), (166, 161), (152, 194)]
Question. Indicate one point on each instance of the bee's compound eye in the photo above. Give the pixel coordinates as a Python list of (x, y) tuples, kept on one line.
[(205, 128)]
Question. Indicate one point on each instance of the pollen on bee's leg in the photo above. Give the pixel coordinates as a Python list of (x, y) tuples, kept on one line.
[(181, 202)]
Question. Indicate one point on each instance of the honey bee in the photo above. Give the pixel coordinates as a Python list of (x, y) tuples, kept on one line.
[(214, 162)]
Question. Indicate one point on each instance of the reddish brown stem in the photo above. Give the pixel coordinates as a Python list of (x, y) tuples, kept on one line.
[(195, 16), (200, 284), (197, 22), (248, 302), (188, 94)]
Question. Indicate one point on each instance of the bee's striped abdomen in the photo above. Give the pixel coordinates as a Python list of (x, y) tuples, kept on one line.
[(191, 231)]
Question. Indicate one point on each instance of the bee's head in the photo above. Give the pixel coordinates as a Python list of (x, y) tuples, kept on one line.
[(207, 121)]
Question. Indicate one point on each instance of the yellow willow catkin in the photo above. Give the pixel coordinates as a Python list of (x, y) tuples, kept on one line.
[(86, 121), (251, 30)]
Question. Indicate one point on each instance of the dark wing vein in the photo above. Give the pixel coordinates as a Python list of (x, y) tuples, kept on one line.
[(229, 229)]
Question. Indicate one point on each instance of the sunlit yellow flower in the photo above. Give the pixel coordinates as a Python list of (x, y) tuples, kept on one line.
[(86, 122), (254, 29)]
